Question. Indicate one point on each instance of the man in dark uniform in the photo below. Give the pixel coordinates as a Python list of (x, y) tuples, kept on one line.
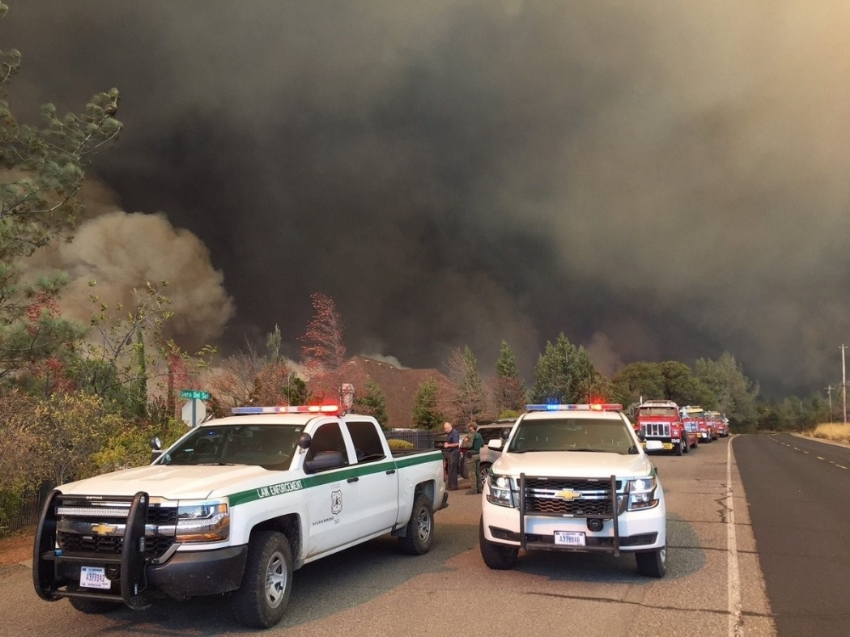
[(473, 457), (452, 452)]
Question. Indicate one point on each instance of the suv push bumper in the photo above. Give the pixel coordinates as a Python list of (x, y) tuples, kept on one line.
[(630, 531)]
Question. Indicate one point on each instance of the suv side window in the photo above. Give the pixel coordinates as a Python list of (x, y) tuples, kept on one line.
[(367, 441)]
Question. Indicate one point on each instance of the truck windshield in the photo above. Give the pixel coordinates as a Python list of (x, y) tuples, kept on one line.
[(267, 446), (573, 434), (670, 412)]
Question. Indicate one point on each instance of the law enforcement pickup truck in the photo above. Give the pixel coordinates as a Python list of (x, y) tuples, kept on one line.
[(235, 506), (574, 478)]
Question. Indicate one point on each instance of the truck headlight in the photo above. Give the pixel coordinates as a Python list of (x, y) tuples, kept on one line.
[(501, 492), (642, 494), (203, 520)]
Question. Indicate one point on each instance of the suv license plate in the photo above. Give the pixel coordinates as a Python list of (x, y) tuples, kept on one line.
[(567, 538), (94, 577)]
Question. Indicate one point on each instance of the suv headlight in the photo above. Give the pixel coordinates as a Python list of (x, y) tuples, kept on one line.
[(203, 520), (502, 492), (642, 493)]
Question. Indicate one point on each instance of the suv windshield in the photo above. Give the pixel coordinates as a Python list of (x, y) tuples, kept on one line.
[(572, 434), (267, 446)]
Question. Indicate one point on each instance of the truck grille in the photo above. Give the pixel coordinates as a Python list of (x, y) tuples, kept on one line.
[(569, 496), (656, 430), (97, 526)]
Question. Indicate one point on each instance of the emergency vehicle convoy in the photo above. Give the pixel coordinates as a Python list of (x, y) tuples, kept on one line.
[(237, 504), (695, 419), (660, 420), (574, 478)]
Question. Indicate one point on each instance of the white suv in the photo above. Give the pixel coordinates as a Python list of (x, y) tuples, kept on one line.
[(575, 478)]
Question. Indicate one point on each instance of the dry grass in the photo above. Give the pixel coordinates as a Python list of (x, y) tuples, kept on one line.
[(835, 432)]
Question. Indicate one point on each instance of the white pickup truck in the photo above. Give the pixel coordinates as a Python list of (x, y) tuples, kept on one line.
[(575, 478), (237, 504)]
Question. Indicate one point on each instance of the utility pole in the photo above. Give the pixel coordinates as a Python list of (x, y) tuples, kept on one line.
[(843, 385), (829, 396)]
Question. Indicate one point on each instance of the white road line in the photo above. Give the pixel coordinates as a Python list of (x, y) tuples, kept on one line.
[(840, 466), (819, 458), (734, 583)]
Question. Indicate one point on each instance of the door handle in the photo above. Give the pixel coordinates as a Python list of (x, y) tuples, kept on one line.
[(354, 479), (390, 472)]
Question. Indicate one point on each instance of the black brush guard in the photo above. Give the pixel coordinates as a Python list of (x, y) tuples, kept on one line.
[(131, 562), (616, 510)]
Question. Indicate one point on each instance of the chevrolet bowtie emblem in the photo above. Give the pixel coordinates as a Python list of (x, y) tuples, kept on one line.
[(102, 529), (567, 494)]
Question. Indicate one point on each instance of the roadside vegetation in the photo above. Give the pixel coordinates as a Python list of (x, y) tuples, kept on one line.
[(836, 432)]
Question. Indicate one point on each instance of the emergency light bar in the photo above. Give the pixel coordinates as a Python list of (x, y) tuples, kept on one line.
[(592, 407), (286, 409)]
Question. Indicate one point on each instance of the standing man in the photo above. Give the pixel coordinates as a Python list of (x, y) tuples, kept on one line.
[(452, 452), (473, 457)]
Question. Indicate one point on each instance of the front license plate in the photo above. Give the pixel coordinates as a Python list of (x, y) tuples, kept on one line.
[(94, 577), (568, 538), (668, 446)]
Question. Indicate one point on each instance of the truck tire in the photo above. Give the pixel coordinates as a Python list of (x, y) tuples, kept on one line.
[(420, 527), (261, 600), (652, 563), (92, 606), (496, 556), (680, 448)]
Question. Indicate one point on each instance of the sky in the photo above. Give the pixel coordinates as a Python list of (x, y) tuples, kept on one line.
[(656, 180)]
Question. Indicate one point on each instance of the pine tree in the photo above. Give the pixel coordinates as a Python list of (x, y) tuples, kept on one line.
[(565, 374), (426, 410), (509, 392), (45, 169), (372, 403)]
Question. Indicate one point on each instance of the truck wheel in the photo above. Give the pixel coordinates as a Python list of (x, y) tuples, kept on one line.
[(496, 556), (420, 527), (92, 606), (686, 445), (262, 598), (652, 563), (680, 448)]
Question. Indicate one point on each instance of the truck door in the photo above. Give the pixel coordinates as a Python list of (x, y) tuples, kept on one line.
[(330, 503), (377, 480)]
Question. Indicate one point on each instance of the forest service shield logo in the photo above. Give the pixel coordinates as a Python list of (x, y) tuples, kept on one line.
[(336, 501)]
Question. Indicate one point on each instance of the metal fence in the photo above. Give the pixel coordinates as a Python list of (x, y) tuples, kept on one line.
[(21, 509), (420, 439)]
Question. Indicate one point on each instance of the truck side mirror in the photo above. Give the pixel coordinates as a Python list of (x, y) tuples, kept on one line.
[(495, 443), (304, 442), (156, 448)]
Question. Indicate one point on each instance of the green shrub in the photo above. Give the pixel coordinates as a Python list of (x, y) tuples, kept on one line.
[(395, 443)]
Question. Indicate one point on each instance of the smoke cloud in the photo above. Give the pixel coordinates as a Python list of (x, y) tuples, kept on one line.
[(123, 251), (658, 180)]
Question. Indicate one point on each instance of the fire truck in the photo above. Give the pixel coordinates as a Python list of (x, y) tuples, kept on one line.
[(720, 422), (696, 420), (660, 420)]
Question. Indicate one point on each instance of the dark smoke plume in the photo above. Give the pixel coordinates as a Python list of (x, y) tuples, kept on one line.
[(659, 180)]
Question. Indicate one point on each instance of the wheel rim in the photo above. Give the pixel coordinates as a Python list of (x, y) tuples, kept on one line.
[(276, 575), (423, 525)]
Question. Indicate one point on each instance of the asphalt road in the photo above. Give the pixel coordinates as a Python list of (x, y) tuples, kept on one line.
[(713, 587), (799, 494)]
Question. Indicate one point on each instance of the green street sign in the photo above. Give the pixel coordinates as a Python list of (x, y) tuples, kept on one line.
[(194, 394)]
